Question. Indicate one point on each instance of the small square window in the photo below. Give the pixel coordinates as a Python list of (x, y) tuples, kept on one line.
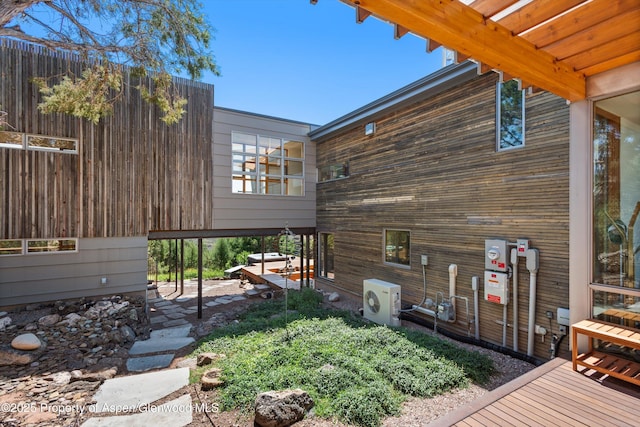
[(370, 128), (397, 247)]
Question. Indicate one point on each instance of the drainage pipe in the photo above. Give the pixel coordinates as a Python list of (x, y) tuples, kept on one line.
[(453, 273), (532, 266), (475, 286), (504, 325), (514, 262)]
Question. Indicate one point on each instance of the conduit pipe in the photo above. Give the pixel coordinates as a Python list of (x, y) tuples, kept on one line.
[(532, 266), (504, 325), (514, 262), (419, 307), (453, 273), (475, 286)]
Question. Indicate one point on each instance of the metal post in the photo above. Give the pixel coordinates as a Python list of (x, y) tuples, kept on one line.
[(308, 245), (301, 261), (181, 266), (199, 278), (176, 266), (262, 240)]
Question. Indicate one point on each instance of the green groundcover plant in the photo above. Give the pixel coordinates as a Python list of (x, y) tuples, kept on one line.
[(355, 371)]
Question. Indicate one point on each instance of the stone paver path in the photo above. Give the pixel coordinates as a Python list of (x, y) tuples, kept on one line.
[(129, 401)]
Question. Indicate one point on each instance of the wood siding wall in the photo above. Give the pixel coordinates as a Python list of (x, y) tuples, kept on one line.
[(432, 168), (132, 173)]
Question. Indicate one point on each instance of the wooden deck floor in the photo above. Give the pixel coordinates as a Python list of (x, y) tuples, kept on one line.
[(553, 395)]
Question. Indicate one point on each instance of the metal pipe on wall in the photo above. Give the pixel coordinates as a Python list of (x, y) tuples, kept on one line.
[(475, 286), (453, 273), (514, 263), (532, 266)]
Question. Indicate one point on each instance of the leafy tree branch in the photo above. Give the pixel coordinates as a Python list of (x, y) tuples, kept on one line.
[(162, 37)]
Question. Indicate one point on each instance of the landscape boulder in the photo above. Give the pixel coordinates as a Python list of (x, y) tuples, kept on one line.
[(208, 358), (26, 341), (4, 322), (211, 379), (334, 297), (281, 408), (49, 320)]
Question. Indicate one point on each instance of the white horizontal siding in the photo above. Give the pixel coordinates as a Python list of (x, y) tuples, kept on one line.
[(47, 277), (238, 211)]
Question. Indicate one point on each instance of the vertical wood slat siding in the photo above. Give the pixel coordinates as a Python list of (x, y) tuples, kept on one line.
[(439, 155), (132, 173)]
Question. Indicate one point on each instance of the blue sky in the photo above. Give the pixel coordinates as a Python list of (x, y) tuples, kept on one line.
[(311, 63)]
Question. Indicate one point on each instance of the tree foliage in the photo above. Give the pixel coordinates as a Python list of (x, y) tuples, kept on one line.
[(157, 38)]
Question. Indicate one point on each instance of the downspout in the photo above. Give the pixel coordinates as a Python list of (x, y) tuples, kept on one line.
[(532, 266), (514, 262), (475, 286), (453, 273)]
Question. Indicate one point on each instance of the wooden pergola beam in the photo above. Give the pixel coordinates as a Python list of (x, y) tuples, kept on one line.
[(399, 31), (361, 14), (459, 27)]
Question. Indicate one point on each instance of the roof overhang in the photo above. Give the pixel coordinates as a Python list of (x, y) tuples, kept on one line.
[(551, 45)]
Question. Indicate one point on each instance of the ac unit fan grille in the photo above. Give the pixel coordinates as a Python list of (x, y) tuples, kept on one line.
[(373, 301)]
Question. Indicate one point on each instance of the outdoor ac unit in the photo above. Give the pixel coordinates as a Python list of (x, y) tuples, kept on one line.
[(381, 301)]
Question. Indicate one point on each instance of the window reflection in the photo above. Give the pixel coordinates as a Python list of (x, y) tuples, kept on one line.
[(616, 191)]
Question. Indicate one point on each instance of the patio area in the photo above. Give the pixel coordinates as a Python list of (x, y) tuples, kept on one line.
[(553, 395)]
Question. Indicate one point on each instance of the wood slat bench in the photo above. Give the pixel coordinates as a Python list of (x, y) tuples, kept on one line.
[(612, 364)]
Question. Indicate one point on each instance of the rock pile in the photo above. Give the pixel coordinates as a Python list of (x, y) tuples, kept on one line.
[(79, 344), (79, 334)]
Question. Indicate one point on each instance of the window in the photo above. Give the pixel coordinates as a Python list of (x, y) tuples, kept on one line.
[(397, 247), (615, 304), (325, 256), (38, 142), (510, 116), (11, 139), (266, 165), (11, 247), (616, 192), (41, 246), (333, 171)]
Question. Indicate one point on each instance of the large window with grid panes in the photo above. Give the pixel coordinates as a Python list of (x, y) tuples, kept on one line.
[(267, 165)]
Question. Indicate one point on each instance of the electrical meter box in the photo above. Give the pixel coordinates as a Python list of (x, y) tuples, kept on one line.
[(496, 287), (496, 255)]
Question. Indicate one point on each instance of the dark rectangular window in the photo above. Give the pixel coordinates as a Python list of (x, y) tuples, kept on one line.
[(397, 247), (325, 249), (510, 116)]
